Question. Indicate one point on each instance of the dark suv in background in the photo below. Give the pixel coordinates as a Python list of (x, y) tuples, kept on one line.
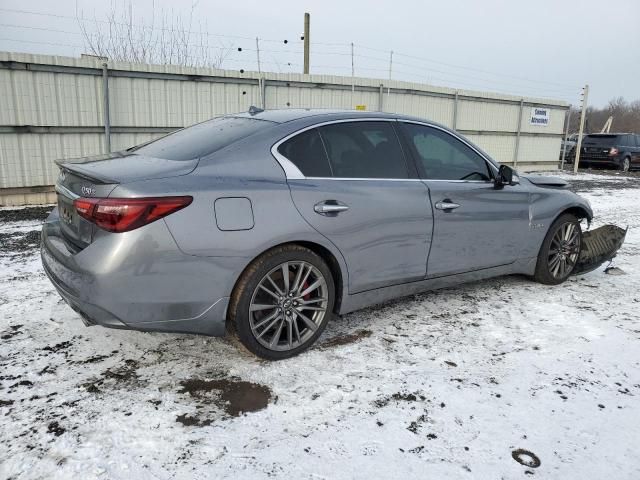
[(620, 150)]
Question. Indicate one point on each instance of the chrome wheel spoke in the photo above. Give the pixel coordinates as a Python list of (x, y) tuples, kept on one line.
[(255, 307), (285, 276), (308, 322), (311, 287), (296, 280), (290, 333), (276, 337), (273, 284), (273, 294), (268, 327), (312, 300), (315, 309)]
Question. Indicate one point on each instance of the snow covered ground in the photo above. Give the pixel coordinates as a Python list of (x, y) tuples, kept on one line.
[(446, 384)]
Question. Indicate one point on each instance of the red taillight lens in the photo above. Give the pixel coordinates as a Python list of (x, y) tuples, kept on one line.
[(124, 214), (613, 151)]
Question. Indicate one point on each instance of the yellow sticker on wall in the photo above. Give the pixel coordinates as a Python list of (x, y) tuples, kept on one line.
[(361, 107)]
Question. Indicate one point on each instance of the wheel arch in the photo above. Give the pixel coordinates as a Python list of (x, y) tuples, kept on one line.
[(338, 269), (578, 210)]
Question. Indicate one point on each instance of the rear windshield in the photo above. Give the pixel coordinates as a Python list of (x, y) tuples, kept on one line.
[(201, 139), (601, 139)]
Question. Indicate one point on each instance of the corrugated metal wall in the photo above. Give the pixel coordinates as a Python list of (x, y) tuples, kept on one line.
[(53, 107)]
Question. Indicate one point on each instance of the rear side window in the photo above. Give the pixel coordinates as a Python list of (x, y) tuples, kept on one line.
[(364, 150), (631, 141), (444, 157), (306, 151), (201, 139), (604, 140)]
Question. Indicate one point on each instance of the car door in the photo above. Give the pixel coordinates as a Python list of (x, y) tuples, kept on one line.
[(356, 190), (475, 225)]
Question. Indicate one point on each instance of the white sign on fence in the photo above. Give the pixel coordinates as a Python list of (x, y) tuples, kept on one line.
[(539, 116)]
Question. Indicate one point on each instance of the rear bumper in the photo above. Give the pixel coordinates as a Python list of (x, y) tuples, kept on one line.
[(140, 281)]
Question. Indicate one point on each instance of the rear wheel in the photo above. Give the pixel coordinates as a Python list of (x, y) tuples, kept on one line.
[(625, 166), (560, 250), (282, 302)]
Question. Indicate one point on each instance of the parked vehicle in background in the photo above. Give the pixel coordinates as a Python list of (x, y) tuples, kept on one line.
[(268, 223), (566, 147), (619, 150)]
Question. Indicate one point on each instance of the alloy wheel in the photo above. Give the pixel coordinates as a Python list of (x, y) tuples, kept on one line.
[(288, 305), (564, 250)]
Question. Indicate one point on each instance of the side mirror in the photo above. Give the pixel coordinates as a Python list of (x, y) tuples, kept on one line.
[(506, 176)]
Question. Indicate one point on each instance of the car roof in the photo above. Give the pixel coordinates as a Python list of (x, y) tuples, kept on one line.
[(324, 114)]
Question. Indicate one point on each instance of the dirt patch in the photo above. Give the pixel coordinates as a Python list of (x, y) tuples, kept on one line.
[(58, 347), (233, 396), (55, 428), (345, 339), (123, 375), (12, 332), (25, 214), (399, 397)]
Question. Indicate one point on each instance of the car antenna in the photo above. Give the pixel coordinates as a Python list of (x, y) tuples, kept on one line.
[(253, 110)]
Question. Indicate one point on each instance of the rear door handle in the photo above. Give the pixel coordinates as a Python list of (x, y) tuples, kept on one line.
[(330, 207), (447, 205)]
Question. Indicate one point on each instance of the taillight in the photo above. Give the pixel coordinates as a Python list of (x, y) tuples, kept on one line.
[(124, 214), (613, 151)]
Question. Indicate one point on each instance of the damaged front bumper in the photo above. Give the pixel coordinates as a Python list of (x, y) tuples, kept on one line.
[(599, 246)]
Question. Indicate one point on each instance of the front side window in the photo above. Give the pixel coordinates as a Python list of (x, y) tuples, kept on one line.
[(306, 152), (444, 157), (364, 150)]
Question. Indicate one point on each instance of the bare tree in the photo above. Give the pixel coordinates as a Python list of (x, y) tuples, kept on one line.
[(170, 39), (626, 117)]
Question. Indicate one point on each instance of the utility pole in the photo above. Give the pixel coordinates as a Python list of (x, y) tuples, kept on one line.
[(258, 53), (583, 113), (353, 77), (307, 21)]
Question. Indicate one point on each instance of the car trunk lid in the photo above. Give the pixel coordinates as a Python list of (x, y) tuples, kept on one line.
[(96, 177)]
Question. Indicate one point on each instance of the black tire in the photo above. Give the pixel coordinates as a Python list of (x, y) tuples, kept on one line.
[(545, 270), (241, 321), (625, 164)]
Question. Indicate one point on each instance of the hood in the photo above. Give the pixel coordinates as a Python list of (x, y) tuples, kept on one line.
[(123, 167), (546, 181)]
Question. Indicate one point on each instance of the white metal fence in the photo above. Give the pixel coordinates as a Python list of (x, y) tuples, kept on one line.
[(54, 107)]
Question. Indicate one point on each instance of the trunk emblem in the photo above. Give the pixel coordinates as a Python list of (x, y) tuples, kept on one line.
[(88, 191)]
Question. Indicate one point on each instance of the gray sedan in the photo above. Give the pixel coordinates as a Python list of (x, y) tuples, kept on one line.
[(266, 224)]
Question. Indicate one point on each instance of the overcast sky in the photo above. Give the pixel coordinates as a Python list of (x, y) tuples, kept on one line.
[(548, 48)]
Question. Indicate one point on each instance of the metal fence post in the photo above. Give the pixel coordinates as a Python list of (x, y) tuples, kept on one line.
[(455, 111), (380, 97), (566, 135), (105, 98), (106, 116), (262, 84), (515, 153)]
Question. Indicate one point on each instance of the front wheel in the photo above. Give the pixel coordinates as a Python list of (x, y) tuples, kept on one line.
[(282, 302), (560, 250)]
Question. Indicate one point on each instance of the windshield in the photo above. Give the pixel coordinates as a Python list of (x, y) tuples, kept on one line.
[(201, 139)]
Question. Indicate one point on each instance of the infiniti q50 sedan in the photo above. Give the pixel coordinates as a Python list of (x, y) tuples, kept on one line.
[(267, 223)]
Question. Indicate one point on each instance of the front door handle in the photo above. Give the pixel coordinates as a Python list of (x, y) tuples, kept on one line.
[(330, 207), (447, 205)]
